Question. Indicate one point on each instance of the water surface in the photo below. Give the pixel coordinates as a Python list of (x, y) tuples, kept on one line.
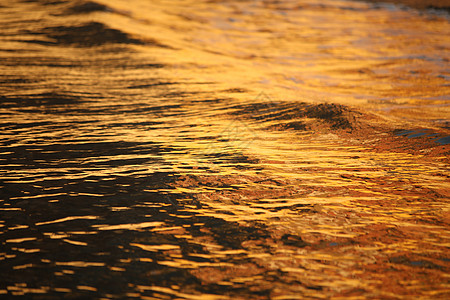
[(183, 150)]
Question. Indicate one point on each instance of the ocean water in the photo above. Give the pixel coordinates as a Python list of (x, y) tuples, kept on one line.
[(223, 150)]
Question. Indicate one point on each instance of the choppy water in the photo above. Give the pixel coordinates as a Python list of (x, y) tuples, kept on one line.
[(175, 150)]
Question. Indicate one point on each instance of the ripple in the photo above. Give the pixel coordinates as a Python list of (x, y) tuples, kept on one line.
[(87, 35), (222, 150)]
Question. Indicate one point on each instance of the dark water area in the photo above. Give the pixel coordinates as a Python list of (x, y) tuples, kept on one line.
[(223, 150)]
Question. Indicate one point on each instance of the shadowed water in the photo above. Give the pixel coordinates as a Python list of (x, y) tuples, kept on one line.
[(223, 150)]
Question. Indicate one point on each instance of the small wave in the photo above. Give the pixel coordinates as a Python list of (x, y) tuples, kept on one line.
[(86, 7), (87, 35), (298, 116), (47, 99)]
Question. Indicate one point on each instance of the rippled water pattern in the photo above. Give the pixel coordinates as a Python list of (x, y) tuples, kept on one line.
[(175, 150)]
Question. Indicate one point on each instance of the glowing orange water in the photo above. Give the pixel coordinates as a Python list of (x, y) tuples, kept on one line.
[(136, 168)]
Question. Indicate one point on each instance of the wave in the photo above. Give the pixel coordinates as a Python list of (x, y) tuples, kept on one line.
[(335, 115), (85, 35)]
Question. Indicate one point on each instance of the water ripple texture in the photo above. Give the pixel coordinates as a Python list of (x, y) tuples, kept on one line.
[(254, 149)]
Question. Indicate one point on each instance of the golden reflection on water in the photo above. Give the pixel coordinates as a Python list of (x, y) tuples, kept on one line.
[(300, 50), (158, 168)]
